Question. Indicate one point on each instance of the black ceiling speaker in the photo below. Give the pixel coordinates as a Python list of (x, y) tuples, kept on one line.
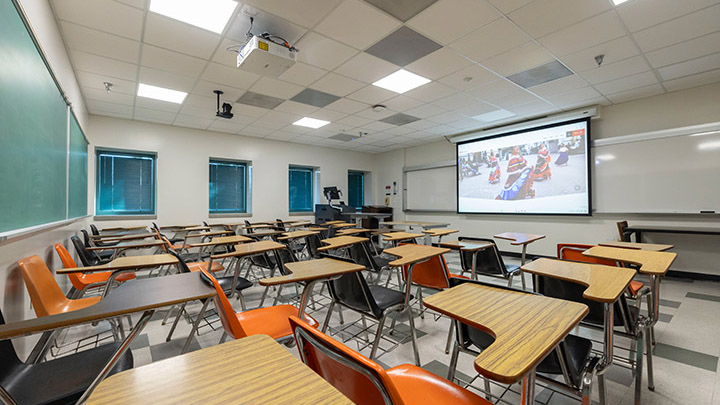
[(226, 107)]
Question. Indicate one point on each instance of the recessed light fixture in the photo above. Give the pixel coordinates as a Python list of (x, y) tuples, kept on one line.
[(211, 15), (310, 122), (494, 115), (401, 81), (711, 145), (160, 93), (618, 2)]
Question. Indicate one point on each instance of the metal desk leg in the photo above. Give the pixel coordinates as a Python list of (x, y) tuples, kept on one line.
[(474, 265), (528, 391), (195, 325), (305, 297), (522, 263)]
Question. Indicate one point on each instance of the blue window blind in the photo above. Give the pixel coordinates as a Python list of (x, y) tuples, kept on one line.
[(228, 185), (301, 189), (356, 189), (125, 183)]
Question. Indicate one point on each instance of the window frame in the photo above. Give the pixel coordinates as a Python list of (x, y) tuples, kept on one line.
[(313, 184), (133, 153), (248, 188)]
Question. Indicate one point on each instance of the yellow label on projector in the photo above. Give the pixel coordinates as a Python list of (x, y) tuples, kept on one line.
[(263, 45)]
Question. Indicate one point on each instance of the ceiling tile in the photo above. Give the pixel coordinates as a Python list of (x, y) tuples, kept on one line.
[(172, 62), (180, 37), (103, 15), (206, 88), (497, 89), (366, 68), (376, 126), (448, 117), (328, 115), (543, 17), (693, 81), (347, 106), (691, 49), (102, 107), (357, 24), (399, 119), (440, 63), (613, 71), (443, 23), (641, 14), (542, 74), (275, 88), (614, 51), (574, 96), (315, 98), (604, 27), (471, 110), (430, 92), (306, 13), (354, 121), (95, 81), (336, 84), (680, 29), (200, 106), (293, 107), (516, 60), (634, 94), (374, 115), (226, 126), (263, 123), (627, 83), (690, 67), (164, 79), (161, 117), (281, 136), (455, 101), (493, 39), (399, 130), (426, 111), (403, 47), (156, 105), (189, 121), (402, 103), (508, 6), (421, 125), (225, 57), (559, 86), (515, 99), (109, 97), (532, 109), (371, 95), (471, 76), (260, 100), (281, 117), (263, 22), (323, 52), (403, 10), (103, 66), (99, 43), (226, 75), (134, 3), (302, 74)]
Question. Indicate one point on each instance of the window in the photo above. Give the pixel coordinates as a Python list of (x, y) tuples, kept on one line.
[(125, 183), (301, 189), (228, 187), (356, 189)]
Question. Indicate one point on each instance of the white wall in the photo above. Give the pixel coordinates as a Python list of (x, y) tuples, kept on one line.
[(183, 155), (683, 108)]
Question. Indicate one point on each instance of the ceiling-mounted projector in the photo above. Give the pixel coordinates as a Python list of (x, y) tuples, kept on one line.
[(264, 57)]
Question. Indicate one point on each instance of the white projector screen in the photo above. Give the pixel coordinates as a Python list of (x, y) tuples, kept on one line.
[(543, 170)]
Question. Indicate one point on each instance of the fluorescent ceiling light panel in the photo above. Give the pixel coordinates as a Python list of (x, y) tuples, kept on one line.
[(310, 122), (494, 115), (211, 15), (618, 2), (709, 145), (160, 93), (401, 81), (605, 158)]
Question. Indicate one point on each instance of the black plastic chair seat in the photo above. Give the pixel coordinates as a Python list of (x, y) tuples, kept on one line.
[(512, 268), (105, 254), (386, 297), (577, 350), (382, 261), (59, 381), (226, 283)]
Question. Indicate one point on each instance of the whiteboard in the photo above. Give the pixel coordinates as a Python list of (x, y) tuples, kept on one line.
[(431, 189), (665, 174)]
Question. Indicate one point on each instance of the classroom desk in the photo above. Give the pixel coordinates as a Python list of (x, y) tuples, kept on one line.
[(639, 246), (526, 328), (352, 231), (263, 234), (467, 246), (132, 296), (358, 216), (297, 224), (396, 237), (222, 240), (122, 247), (413, 254), (205, 234), (340, 242), (297, 234), (343, 225), (410, 224), (251, 249), (251, 370), (120, 228), (120, 238), (638, 230), (335, 222), (258, 226), (523, 239), (312, 271), (439, 233)]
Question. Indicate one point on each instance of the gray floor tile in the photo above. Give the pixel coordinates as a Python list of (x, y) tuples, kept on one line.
[(690, 357), (706, 297)]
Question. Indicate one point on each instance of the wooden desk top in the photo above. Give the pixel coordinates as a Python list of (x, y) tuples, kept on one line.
[(640, 246), (316, 228), (130, 297), (141, 245), (343, 225), (440, 232), (297, 234), (311, 270), (526, 327), (409, 254), (654, 263), (296, 224), (264, 233), (604, 283), (519, 238), (195, 228), (204, 234), (252, 248), (464, 245), (328, 223), (223, 240), (125, 263), (339, 242), (398, 236), (258, 226), (414, 223), (252, 370), (115, 238), (352, 231), (121, 228)]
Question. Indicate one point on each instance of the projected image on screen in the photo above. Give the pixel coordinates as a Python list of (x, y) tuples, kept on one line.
[(541, 170)]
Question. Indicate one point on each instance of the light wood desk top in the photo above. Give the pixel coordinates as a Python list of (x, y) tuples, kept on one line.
[(251, 370), (258, 226), (223, 240), (195, 228), (140, 245), (131, 296), (398, 236), (296, 224), (340, 242), (526, 327), (639, 246), (343, 225), (464, 245), (311, 270), (415, 223), (519, 238), (604, 283), (123, 228), (352, 231), (297, 234), (115, 238), (328, 223), (440, 232), (316, 228), (126, 263), (204, 234), (263, 233), (252, 248), (654, 263), (409, 254)]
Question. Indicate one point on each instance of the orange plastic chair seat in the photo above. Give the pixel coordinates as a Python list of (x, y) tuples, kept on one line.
[(272, 321), (70, 305), (635, 287), (418, 386), (92, 278), (198, 266)]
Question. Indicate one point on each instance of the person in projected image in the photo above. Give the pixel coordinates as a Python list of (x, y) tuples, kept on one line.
[(494, 165), (520, 180), (542, 165), (563, 158)]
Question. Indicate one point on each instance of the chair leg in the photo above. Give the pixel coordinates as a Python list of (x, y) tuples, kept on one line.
[(420, 299), (378, 334), (327, 317), (364, 323), (223, 337), (453, 362), (277, 296), (177, 319), (167, 315), (392, 326), (649, 349), (638, 366), (451, 333), (601, 387), (242, 301), (412, 335), (265, 293), (510, 278), (522, 279), (342, 320)]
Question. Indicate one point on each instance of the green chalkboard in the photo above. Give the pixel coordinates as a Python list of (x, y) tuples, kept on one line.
[(77, 169), (33, 131)]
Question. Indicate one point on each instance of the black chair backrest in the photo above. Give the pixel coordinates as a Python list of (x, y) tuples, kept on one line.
[(182, 265), (331, 232), (87, 258), (86, 238), (94, 229), (313, 243), (352, 290), (8, 358), (247, 227), (360, 255), (205, 223), (488, 261)]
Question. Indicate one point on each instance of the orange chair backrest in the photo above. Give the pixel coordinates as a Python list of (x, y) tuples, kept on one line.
[(68, 262), (360, 379), (44, 290), (229, 320), (573, 251), (432, 273)]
